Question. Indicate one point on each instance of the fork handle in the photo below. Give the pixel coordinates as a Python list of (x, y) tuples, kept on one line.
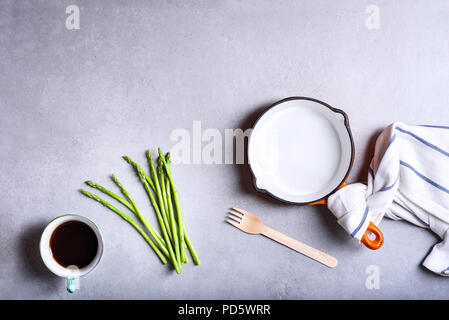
[(301, 247)]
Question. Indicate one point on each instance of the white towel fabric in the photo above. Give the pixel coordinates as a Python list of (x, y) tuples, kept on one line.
[(408, 180)]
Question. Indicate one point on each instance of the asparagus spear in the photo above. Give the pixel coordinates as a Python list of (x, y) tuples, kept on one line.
[(183, 237), (165, 199), (160, 219), (111, 194), (159, 240), (150, 182), (136, 166), (168, 161), (159, 194), (186, 236), (160, 170), (178, 210), (131, 221), (173, 224)]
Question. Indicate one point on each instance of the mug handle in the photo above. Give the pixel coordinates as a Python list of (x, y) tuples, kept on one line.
[(377, 242), (73, 280), (72, 284)]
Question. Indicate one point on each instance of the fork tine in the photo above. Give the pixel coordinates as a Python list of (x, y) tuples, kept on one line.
[(240, 210), (234, 218), (235, 224), (236, 214)]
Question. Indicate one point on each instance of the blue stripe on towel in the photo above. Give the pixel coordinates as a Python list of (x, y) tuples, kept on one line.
[(371, 171), (432, 126), (365, 214), (391, 186), (433, 183), (427, 143), (393, 137)]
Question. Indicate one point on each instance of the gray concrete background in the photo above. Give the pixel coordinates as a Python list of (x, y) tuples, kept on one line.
[(73, 102)]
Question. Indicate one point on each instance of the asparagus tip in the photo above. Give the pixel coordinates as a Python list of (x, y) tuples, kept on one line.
[(115, 179), (150, 156), (140, 172), (168, 158)]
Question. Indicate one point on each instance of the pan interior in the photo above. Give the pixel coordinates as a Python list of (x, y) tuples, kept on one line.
[(300, 151)]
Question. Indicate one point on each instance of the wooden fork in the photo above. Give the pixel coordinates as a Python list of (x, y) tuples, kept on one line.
[(250, 223)]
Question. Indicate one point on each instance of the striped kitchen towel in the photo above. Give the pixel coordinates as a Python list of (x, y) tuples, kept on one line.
[(408, 180)]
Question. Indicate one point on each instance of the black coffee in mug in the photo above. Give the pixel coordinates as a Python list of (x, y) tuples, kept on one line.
[(73, 243)]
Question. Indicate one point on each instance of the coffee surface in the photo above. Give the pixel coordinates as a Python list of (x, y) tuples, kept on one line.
[(73, 243)]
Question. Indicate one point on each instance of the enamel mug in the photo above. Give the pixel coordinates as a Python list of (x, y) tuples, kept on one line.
[(72, 274)]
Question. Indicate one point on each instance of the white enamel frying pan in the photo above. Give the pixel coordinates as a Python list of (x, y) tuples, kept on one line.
[(301, 151)]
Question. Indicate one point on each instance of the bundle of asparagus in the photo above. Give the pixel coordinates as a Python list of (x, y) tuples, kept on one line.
[(161, 190)]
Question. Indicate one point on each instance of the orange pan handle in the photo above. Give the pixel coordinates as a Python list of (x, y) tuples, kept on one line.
[(324, 201), (377, 242), (374, 244)]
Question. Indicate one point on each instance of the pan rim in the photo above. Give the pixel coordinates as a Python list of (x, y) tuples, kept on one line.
[(351, 140)]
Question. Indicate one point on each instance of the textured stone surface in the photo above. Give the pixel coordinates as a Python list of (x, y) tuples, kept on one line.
[(74, 101)]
